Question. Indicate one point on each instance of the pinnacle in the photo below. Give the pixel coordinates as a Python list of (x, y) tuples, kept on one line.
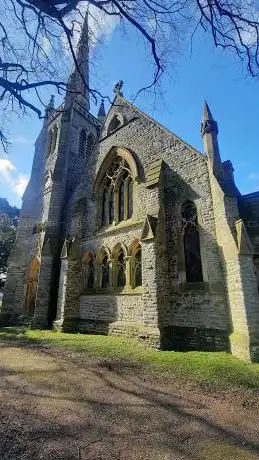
[(207, 115), (101, 112)]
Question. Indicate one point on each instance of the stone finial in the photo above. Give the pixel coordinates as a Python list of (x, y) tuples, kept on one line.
[(117, 88), (50, 107), (208, 124), (101, 112)]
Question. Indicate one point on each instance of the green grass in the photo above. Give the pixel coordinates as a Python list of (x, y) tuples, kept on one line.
[(218, 369)]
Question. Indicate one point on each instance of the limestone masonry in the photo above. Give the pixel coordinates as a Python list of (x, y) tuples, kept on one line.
[(127, 229)]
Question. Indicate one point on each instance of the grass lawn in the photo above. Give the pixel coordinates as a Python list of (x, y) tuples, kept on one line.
[(221, 370)]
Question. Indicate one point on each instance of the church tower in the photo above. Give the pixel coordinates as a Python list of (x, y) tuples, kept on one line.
[(61, 152)]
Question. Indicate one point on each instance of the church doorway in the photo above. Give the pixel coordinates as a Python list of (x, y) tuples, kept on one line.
[(31, 287)]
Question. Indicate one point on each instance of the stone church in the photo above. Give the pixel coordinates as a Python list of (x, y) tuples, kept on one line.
[(127, 229)]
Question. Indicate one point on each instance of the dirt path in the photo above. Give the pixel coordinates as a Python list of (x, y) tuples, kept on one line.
[(65, 407)]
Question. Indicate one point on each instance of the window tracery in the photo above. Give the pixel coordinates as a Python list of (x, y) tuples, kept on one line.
[(117, 193), (191, 242)]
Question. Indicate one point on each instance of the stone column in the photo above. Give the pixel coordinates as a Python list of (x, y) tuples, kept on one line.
[(73, 288), (40, 319), (128, 260), (58, 323)]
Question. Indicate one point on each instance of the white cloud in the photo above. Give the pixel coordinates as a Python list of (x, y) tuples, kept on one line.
[(7, 172), (6, 167), (21, 140), (253, 176), (101, 26)]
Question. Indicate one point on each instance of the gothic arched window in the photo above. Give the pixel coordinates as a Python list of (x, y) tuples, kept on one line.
[(120, 269), (89, 145), (82, 143), (114, 124), (52, 140), (137, 267), (105, 271), (88, 271), (191, 242), (116, 193)]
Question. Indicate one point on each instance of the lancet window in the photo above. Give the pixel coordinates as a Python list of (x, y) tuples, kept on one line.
[(191, 243)]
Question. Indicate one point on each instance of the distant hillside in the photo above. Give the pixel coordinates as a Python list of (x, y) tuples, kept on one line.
[(9, 216)]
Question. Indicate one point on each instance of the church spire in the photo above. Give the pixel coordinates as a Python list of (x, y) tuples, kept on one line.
[(209, 132), (101, 112), (78, 83)]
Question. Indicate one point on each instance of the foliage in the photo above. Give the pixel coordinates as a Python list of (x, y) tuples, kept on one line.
[(8, 223), (217, 369)]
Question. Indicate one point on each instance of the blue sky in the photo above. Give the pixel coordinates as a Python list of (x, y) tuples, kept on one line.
[(206, 73)]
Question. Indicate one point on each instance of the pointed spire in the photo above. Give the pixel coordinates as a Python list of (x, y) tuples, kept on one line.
[(78, 83), (49, 108), (208, 124), (209, 132), (101, 112)]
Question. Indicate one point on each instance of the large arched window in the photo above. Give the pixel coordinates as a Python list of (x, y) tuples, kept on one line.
[(89, 145), (82, 143), (191, 242), (88, 271), (116, 193)]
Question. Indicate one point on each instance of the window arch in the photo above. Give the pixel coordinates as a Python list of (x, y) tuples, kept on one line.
[(104, 271), (52, 141), (116, 193), (114, 124), (82, 143), (120, 268), (191, 243), (88, 271), (137, 266), (89, 145)]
